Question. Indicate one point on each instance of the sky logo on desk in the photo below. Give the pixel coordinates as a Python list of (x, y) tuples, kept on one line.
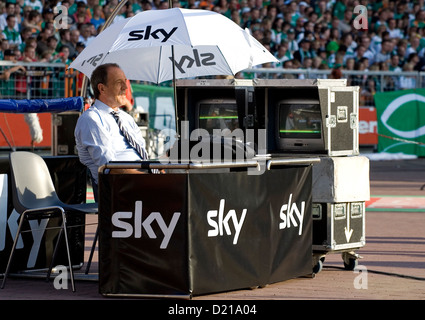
[(136, 229), (220, 222), (288, 214)]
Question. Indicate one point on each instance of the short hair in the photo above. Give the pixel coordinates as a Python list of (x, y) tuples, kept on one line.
[(100, 75), (10, 16)]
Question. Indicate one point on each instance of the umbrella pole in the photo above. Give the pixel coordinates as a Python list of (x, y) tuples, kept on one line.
[(175, 93), (176, 117)]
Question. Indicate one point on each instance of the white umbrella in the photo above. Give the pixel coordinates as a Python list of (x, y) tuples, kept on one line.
[(202, 43), (170, 44)]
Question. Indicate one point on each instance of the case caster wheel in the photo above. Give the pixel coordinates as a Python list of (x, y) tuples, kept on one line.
[(350, 260), (351, 265), (319, 265)]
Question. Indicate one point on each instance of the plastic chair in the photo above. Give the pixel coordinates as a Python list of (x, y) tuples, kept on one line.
[(34, 197)]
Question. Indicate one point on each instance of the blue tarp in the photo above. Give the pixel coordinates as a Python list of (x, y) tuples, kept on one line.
[(41, 105)]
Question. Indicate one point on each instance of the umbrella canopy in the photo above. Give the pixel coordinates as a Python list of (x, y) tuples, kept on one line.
[(161, 45)]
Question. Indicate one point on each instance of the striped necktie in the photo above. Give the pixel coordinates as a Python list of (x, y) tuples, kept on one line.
[(142, 152)]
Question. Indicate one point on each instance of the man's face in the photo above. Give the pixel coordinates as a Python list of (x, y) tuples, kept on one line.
[(115, 87), (75, 34), (395, 60), (11, 22), (10, 8)]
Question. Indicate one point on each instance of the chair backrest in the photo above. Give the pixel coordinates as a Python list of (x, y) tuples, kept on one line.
[(32, 185)]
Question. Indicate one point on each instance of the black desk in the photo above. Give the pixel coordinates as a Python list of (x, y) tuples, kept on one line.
[(193, 233)]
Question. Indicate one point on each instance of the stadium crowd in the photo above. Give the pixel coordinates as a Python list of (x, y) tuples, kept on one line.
[(316, 34)]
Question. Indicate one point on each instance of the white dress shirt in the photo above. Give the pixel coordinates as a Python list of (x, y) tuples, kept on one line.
[(99, 139)]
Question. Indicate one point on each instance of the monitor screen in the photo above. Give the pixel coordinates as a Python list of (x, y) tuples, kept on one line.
[(300, 121), (299, 125), (218, 114)]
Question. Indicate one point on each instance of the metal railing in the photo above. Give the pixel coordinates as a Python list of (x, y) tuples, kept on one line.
[(40, 80), (54, 80), (370, 82)]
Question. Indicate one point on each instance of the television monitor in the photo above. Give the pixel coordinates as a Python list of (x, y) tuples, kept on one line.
[(299, 124), (218, 114)]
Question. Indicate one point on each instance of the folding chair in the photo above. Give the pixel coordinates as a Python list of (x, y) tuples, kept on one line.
[(34, 197)]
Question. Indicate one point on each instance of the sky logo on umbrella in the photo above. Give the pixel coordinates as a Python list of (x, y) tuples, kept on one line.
[(136, 35), (198, 59)]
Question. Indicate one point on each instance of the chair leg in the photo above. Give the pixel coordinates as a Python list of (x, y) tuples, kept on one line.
[(92, 250), (12, 253), (65, 233), (55, 250), (71, 271), (15, 242)]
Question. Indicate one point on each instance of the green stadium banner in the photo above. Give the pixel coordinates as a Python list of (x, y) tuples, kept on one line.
[(401, 121)]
